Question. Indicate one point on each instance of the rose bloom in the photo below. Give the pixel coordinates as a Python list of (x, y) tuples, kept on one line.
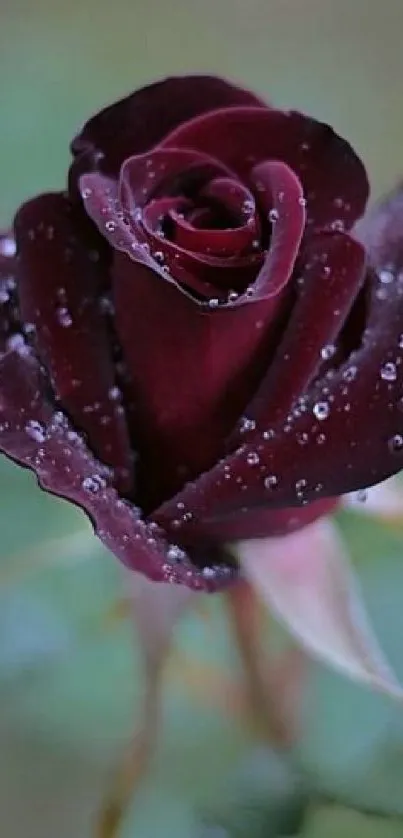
[(199, 344)]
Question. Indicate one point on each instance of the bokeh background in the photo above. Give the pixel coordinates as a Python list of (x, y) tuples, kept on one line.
[(70, 681)]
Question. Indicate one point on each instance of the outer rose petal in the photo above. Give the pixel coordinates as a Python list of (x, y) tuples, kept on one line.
[(334, 179), (348, 436), (325, 295), (138, 122), (35, 436), (59, 287), (184, 426)]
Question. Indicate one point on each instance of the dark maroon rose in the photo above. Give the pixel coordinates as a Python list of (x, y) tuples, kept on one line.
[(198, 345)]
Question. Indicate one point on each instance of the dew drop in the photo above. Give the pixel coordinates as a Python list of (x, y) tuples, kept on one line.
[(214, 302), (327, 351), (388, 371), (362, 496), (273, 215), (350, 373), (8, 247), (110, 226), (4, 295), (395, 443), (386, 276), (232, 296), (114, 394), (35, 430), (247, 425), (64, 317), (271, 481), (253, 458), (94, 483), (321, 410)]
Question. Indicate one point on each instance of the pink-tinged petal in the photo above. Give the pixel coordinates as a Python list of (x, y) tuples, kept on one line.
[(60, 282), (305, 579), (333, 178), (138, 122), (43, 440), (184, 426), (384, 501), (330, 277)]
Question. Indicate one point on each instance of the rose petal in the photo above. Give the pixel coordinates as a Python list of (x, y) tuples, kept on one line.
[(333, 178), (348, 436), (189, 272), (329, 280), (306, 581), (36, 436), (138, 122), (281, 194), (217, 374), (253, 523), (59, 285)]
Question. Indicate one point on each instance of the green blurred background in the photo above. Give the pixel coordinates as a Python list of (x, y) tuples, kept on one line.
[(69, 675)]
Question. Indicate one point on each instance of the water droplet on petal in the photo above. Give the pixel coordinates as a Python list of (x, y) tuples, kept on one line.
[(8, 247), (253, 458), (271, 481), (114, 394), (327, 351), (64, 316), (321, 410), (35, 430), (386, 277), (94, 483), (388, 371), (247, 424), (395, 444)]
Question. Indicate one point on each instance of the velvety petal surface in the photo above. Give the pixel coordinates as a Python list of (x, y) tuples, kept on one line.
[(190, 378), (60, 284), (40, 438), (349, 434), (329, 279), (138, 122), (333, 178)]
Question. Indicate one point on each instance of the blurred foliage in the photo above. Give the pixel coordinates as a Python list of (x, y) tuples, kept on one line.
[(70, 681)]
